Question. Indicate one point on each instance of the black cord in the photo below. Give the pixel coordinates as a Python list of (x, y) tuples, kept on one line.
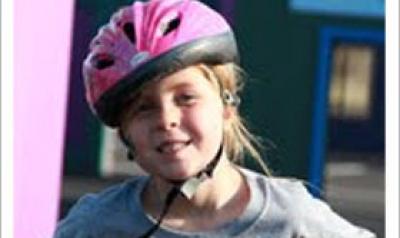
[(175, 190), (172, 194)]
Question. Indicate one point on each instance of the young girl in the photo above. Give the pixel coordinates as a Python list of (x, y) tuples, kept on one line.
[(164, 74)]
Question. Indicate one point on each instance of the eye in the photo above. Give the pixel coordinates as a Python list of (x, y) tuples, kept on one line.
[(142, 108), (186, 99), (145, 107)]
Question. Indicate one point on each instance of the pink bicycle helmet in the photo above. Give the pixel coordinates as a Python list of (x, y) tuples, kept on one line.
[(147, 39)]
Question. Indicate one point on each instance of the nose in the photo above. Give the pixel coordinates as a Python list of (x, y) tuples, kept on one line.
[(168, 117)]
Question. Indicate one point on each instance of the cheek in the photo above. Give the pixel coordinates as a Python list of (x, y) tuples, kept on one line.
[(136, 135), (141, 144), (208, 123)]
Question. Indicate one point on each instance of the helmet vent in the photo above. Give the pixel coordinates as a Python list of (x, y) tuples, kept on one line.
[(102, 61), (129, 30), (172, 25)]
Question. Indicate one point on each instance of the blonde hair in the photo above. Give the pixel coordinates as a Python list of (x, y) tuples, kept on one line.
[(238, 140)]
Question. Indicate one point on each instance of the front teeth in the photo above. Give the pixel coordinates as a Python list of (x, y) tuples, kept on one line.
[(172, 147)]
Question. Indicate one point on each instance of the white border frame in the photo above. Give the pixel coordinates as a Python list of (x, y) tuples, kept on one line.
[(392, 118)]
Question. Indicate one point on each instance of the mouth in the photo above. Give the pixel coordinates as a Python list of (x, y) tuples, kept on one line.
[(170, 147)]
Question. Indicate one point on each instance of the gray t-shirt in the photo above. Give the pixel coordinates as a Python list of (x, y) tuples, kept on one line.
[(278, 208)]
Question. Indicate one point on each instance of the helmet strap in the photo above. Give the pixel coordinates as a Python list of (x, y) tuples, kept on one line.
[(187, 188)]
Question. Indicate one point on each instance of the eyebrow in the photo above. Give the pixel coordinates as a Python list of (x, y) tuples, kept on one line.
[(179, 85), (146, 93)]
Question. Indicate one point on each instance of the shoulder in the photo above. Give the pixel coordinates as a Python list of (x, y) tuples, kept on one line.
[(296, 211), (93, 210), (282, 189)]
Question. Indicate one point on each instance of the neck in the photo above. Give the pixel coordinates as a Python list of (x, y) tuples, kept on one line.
[(213, 195)]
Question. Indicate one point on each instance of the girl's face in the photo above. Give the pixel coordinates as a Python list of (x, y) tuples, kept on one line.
[(176, 124)]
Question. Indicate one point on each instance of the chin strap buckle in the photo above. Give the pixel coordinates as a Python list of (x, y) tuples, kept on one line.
[(188, 188)]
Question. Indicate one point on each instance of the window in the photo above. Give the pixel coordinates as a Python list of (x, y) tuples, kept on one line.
[(350, 95)]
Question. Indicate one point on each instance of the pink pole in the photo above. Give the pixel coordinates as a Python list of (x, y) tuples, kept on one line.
[(42, 33)]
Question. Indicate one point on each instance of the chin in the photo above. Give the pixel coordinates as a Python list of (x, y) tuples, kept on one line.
[(179, 174)]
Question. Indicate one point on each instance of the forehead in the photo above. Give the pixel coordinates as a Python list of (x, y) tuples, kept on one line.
[(190, 77)]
